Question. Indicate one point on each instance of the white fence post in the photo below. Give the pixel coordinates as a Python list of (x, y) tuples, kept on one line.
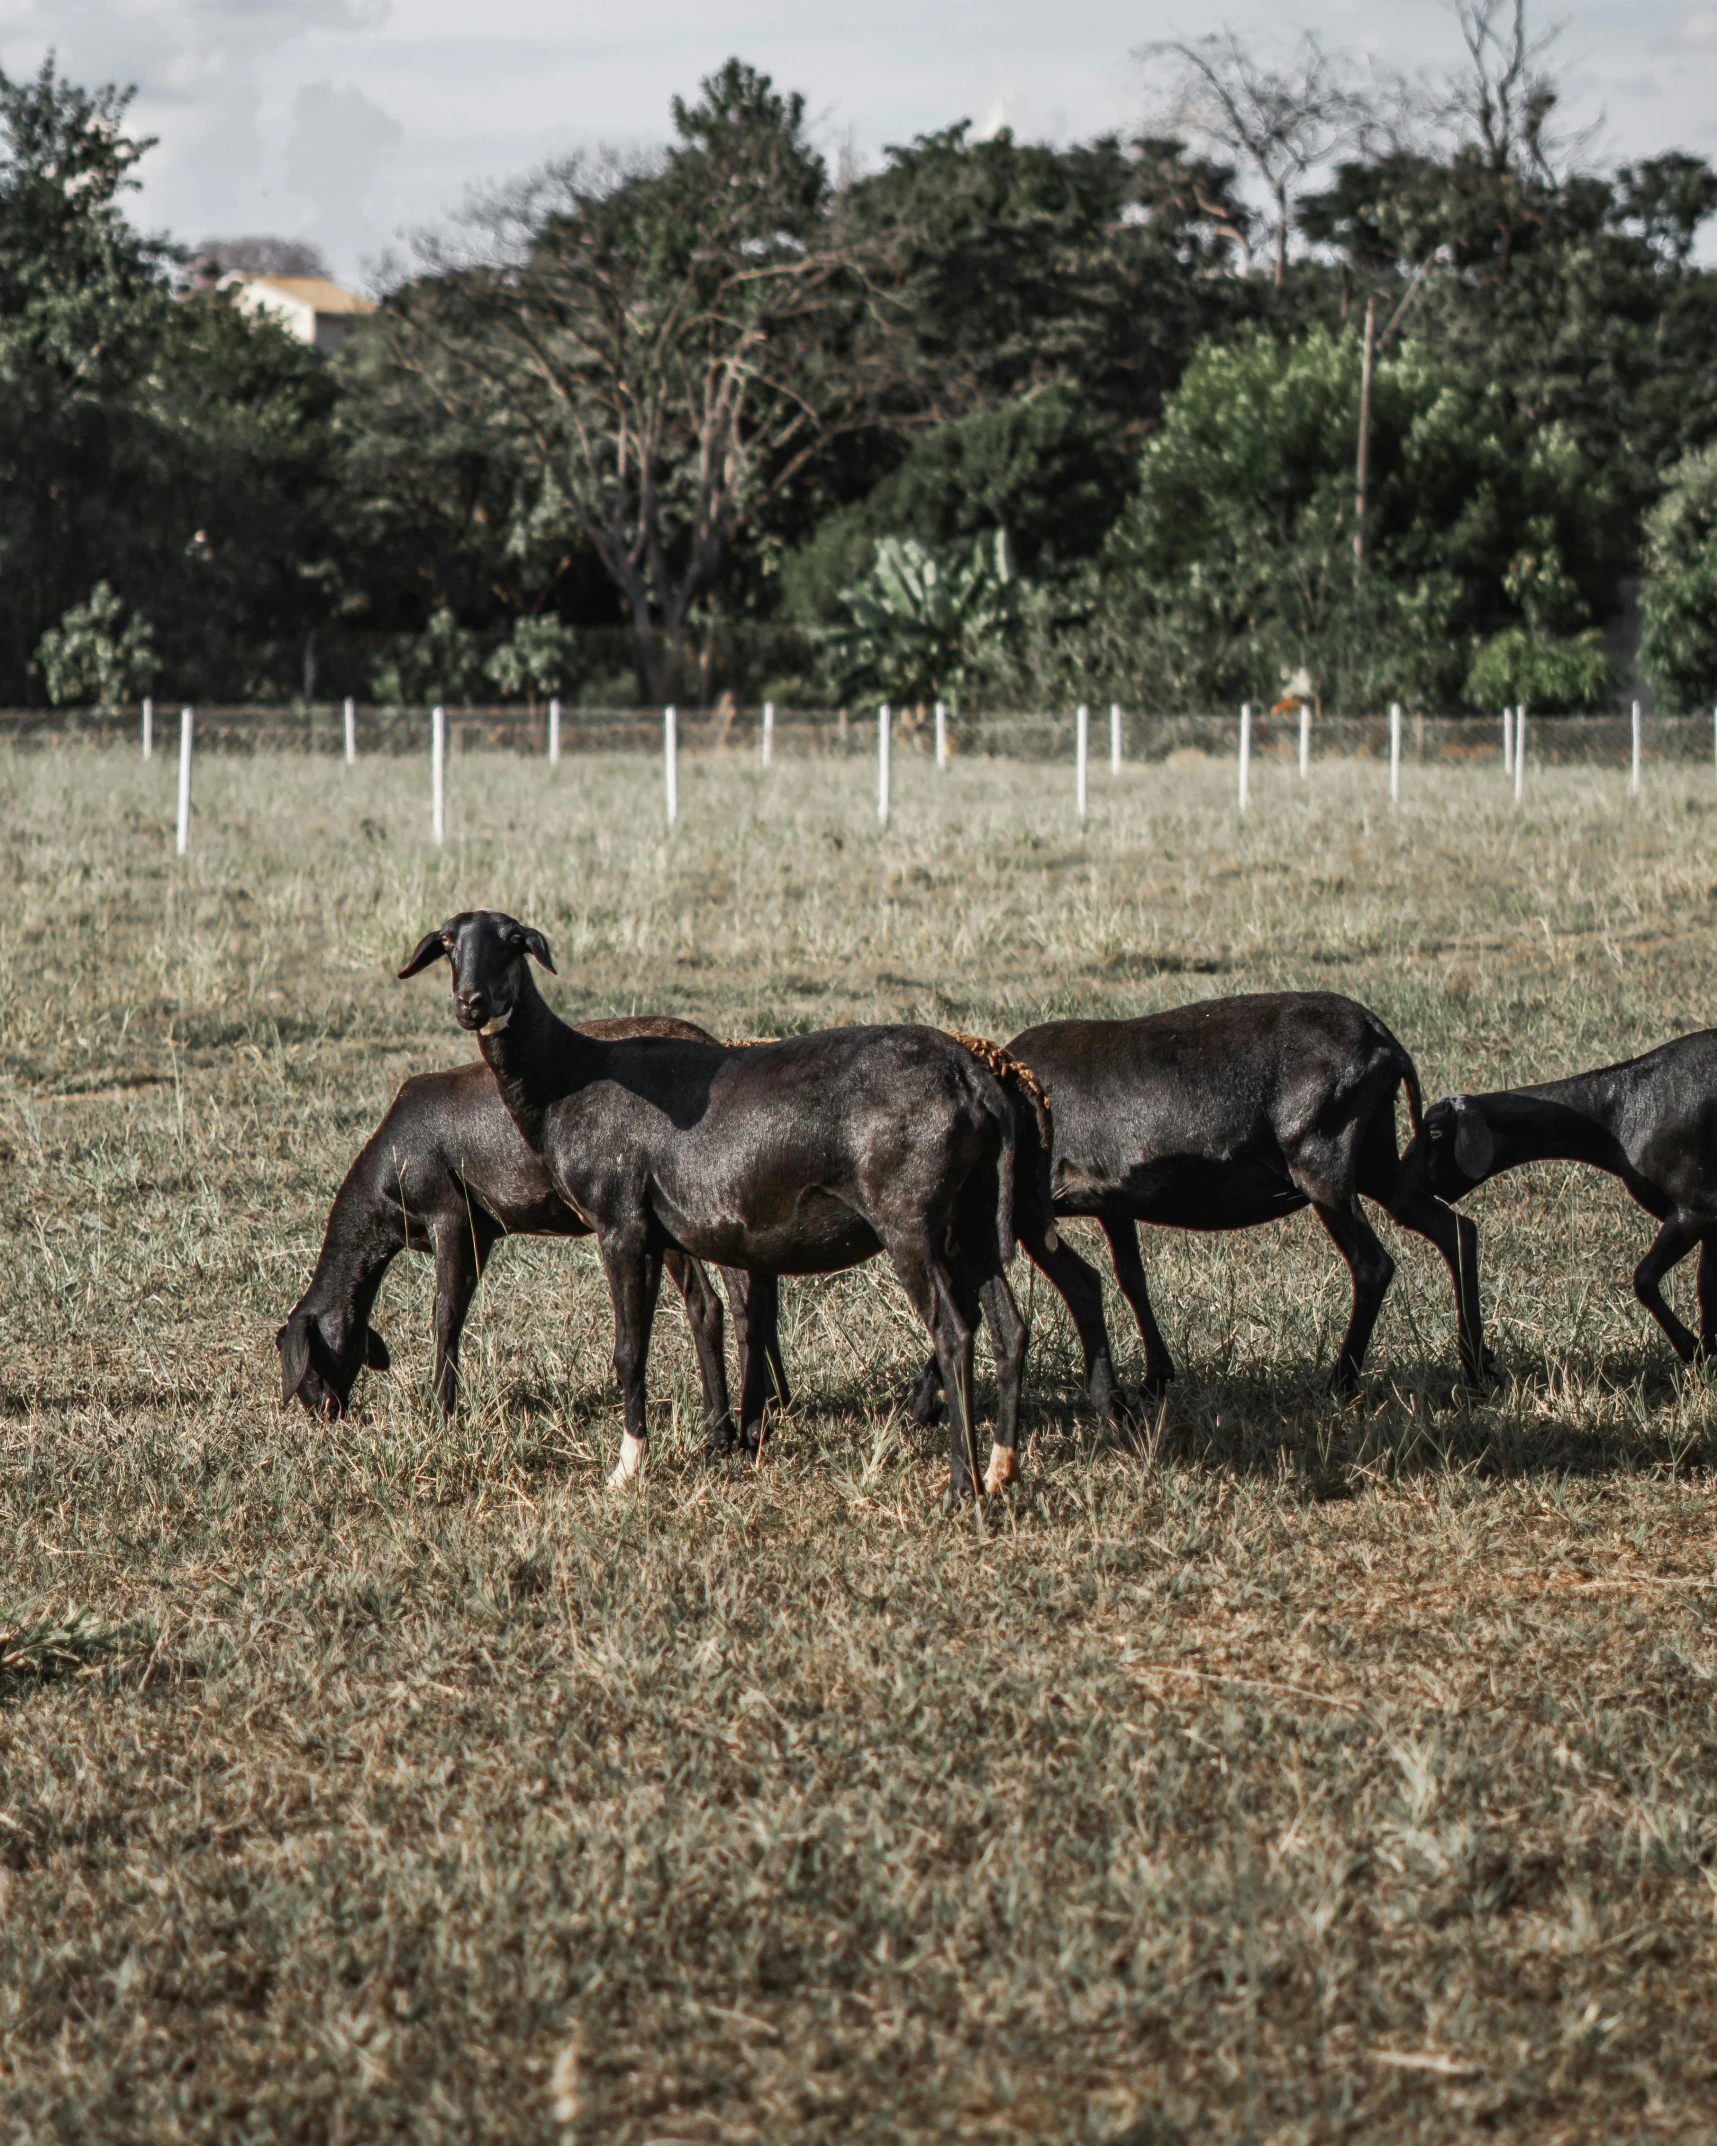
[(1114, 737), (1519, 752), (351, 732), (148, 729), (941, 733), (1634, 784), (768, 749), (182, 838), (554, 733), (882, 744), (1395, 752), (438, 775), (671, 763), (1082, 760), (1305, 741), (1245, 752), (1508, 741)]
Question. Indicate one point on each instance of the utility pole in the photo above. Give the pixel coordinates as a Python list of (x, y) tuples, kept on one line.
[(1364, 435)]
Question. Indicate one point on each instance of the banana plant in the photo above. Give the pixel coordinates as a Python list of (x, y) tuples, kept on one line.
[(921, 614)]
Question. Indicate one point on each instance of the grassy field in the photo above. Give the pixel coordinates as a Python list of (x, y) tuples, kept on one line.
[(1328, 1773)]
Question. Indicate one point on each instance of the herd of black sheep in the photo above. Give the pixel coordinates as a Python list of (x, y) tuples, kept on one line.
[(809, 1154)]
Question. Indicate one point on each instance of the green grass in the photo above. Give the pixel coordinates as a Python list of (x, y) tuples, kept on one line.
[(1331, 1773)]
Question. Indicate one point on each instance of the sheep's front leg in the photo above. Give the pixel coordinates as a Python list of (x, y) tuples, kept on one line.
[(634, 1269), (461, 1250)]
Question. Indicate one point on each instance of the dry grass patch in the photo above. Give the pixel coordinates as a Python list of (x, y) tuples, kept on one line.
[(1328, 1773)]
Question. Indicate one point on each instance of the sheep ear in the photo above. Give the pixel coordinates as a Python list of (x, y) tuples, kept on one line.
[(376, 1351), (1475, 1150), (534, 943), (429, 948), (293, 1342)]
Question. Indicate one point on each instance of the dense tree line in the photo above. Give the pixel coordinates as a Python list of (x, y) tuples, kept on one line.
[(1361, 391)]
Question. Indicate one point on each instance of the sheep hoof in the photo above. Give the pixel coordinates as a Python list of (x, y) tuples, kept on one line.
[(632, 1451)]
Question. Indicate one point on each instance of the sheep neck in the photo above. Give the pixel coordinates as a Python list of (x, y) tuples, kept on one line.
[(536, 1060), (1559, 1121)]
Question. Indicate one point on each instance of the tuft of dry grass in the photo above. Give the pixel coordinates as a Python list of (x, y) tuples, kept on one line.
[(1322, 1773)]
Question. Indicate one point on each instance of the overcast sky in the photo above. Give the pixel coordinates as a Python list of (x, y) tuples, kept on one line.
[(349, 121)]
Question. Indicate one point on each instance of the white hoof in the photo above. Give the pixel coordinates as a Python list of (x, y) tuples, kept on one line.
[(631, 1459), (1003, 1469)]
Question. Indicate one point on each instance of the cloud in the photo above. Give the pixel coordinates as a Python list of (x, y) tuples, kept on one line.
[(339, 144)]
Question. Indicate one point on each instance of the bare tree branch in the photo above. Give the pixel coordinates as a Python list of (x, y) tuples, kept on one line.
[(1283, 120)]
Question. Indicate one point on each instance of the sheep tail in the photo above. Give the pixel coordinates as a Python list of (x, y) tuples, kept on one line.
[(1410, 1081), (1012, 1073)]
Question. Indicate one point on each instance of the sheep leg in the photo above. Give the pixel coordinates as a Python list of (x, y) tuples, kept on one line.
[(1708, 1295), (759, 1350), (1457, 1238), (1008, 1337), (1669, 1247), (1372, 1270), (704, 1316), (932, 1293), (1077, 1283), (461, 1249), (634, 1269), (1123, 1235)]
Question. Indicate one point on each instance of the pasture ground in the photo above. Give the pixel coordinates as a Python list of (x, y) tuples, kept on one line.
[(1331, 1773)]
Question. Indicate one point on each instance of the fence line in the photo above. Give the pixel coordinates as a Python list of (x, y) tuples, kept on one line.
[(1620, 741)]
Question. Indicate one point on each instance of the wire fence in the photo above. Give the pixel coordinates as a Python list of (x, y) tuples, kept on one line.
[(1143, 736)]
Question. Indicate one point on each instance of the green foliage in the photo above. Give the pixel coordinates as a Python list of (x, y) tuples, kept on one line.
[(174, 449), (1678, 594), (536, 659), (1559, 674), (1233, 568), (652, 343), (96, 656), (920, 617), (443, 663), (1014, 264), (1042, 467)]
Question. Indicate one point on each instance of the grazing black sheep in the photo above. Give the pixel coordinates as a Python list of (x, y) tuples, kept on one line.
[(1651, 1121), (447, 1172), (803, 1156), (1220, 1116)]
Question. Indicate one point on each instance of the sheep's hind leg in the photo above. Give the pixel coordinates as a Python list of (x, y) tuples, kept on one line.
[(1708, 1294), (1372, 1270), (1123, 1235), (1669, 1247), (759, 1351), (933, 1294), (704, 1316)]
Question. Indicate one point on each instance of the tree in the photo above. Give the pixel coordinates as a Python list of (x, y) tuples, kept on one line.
[(177, 451), (96, 656), (442, 663), (1678, 593), (535, 660), (1011, 265), (1043, 467), (1283, 120), (258, 254), (658, 338), (1233, 567)]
